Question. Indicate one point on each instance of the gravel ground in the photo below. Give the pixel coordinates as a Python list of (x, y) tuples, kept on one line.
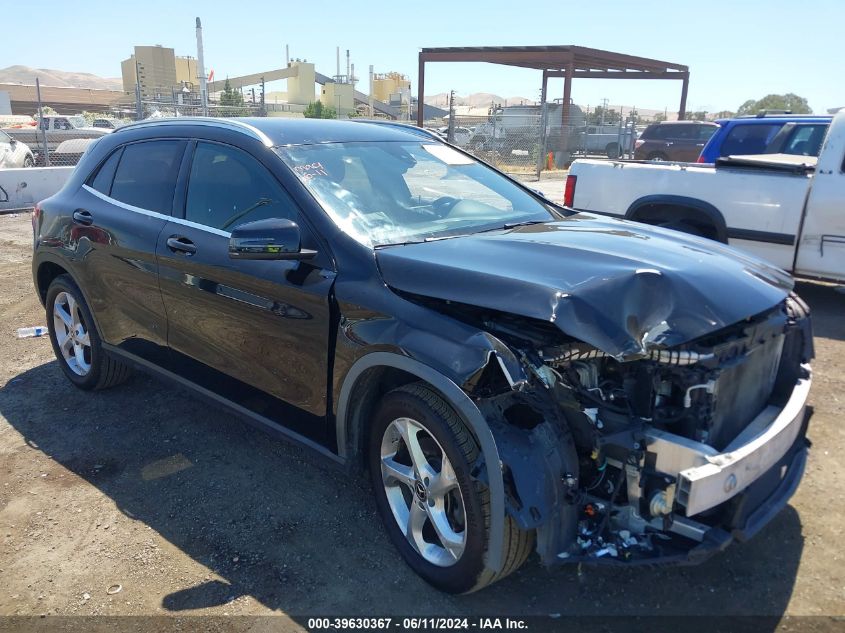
[(190, 511)]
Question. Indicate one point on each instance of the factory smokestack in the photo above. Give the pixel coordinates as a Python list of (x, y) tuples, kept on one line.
[(201, 71)]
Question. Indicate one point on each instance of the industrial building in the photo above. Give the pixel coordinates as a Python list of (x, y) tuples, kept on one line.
[(391, 87), (160, 71)]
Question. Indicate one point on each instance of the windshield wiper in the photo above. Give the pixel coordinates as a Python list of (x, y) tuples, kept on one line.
[(388, 244), (511, 225), (437, 238)]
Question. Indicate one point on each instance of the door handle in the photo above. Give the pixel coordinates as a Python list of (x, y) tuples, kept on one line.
[(81, 216), (181, 245)]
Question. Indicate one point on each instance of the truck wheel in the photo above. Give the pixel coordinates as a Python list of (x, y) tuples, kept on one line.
[(435, 513), (76, 342), (657, 157), (612, 150)]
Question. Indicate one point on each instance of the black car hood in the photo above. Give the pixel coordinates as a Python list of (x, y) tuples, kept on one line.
[(623, 287)]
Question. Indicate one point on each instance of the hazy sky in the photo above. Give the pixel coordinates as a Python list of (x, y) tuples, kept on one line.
[(735, 50)]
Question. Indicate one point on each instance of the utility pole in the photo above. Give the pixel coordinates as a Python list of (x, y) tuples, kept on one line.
[(201, 71), (372, 110), (450, 134), (263, 111), (139, 109), (41, 123)]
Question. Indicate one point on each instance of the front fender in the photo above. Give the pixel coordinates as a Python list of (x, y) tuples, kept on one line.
[(462, 405)]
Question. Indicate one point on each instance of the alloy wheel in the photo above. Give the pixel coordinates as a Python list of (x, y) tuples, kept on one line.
[(72, 335), (423, 492)]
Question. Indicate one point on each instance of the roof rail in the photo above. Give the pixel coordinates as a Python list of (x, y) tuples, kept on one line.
[(241, 126)]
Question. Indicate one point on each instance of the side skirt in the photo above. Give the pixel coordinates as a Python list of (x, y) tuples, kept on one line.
[(255, 419)]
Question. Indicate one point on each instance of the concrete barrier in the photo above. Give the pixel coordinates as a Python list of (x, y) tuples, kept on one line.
[(22, 188)]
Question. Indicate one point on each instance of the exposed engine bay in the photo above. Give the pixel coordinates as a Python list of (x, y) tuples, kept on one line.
[(644, 459)]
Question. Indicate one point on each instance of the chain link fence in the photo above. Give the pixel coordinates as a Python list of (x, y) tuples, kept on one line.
[(524, 140), (54, 126), (530, 139)]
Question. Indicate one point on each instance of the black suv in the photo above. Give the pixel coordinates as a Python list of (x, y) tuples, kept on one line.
[(511, 374)]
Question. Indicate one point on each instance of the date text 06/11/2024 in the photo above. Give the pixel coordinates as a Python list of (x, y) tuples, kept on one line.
[(425, 623)]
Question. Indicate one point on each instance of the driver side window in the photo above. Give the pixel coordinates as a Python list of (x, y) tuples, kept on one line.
[(228, 187)]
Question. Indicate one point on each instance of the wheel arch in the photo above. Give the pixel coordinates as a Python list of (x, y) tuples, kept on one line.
[(694, 210), (47, 270), (358, 395)]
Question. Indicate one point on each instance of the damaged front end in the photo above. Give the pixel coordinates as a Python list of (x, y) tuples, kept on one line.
[(664, 457)]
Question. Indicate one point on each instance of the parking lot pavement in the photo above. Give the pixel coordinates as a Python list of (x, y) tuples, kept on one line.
[(191, 511)]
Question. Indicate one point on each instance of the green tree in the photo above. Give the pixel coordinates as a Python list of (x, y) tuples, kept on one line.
[(659, 117), (611, 116), (230, 96), (789, 101), (317, 110)]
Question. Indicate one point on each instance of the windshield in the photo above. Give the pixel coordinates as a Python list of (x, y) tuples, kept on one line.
[(396, 192), (77, 121)]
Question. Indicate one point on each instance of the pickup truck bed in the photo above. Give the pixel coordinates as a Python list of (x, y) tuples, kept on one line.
[(783, 208)]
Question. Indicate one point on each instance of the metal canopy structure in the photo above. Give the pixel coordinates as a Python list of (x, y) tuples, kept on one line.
[(569, 62)]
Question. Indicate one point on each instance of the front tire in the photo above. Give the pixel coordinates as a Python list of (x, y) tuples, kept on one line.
[(28, 161), (76, 342), (436, 513)]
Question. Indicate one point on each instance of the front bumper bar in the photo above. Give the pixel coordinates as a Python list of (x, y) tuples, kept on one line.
[(707, 478)]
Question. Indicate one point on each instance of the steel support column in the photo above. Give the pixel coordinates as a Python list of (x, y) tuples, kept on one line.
[(683, 107), (567, 97), (420, 91), (543, 97)]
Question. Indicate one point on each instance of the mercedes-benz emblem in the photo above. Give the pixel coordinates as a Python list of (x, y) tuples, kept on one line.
[(419, 487)]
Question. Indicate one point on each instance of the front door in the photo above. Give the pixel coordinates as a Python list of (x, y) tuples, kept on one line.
[(247, 329), (821, 249), (6, 152)]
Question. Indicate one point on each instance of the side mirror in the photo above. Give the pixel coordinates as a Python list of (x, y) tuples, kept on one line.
[(268, 239), (13, 142)]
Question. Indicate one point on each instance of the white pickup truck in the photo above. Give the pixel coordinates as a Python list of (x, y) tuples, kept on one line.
[(788, 210)]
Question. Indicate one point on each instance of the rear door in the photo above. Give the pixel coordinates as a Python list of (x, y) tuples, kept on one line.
[(115, 225), (685, 141), (256, 332)]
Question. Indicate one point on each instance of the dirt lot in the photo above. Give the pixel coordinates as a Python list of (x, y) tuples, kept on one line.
[(192, 511)]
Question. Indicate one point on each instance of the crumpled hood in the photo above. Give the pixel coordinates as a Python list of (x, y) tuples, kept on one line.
[(623, 287)]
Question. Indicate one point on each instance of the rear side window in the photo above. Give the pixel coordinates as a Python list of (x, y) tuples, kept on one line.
[(806, 140), (105, 174), (749, 139), (706, 131), (146, 174)]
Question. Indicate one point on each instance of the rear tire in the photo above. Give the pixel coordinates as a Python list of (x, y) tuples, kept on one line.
[(76, 341), (612, 150), (454, 564), (658, 157)]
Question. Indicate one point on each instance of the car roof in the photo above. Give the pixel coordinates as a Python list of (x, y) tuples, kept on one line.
[(686, 122), (781, 118), (274, 131)]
